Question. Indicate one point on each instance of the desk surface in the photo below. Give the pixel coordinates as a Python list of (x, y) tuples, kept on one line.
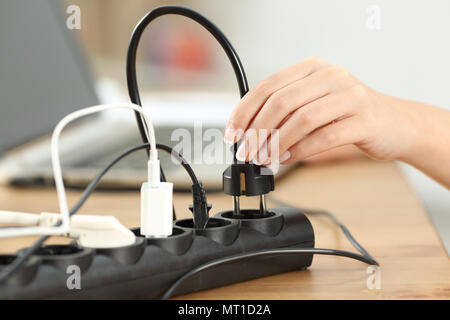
[(372, 199)]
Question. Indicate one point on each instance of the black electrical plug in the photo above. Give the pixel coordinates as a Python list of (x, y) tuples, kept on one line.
[(247, 179), (200, 206)]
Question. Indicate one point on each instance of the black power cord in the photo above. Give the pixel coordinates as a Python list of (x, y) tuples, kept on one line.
[(21, 260), (333, 218), (133, 90), (268, 252)]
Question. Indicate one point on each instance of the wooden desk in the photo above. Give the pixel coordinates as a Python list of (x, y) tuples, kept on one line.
[(371, 198)]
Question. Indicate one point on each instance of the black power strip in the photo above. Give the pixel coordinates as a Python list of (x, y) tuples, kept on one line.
[(148, 268)]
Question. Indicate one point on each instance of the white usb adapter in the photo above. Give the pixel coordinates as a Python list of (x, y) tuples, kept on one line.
[(156, 202)]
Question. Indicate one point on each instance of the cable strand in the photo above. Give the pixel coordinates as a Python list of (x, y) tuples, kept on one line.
[(172, 289), (133, 88), (330, 216)]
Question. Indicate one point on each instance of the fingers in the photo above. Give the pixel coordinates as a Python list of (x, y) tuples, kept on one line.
[(347, 152), (336, 134), (287, 100), (250, 104), (316, 114)]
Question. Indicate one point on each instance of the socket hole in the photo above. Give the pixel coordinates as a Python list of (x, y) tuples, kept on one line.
[(212, 223), (57, 250), (175, 232), (7, 259), (247, 214)]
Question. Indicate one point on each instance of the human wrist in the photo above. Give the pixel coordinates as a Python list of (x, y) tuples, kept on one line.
[(409, 130), (427, 134)]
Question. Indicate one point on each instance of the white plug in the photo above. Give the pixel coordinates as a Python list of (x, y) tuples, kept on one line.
[(100, 232), (156, 202), (89, 231), (93, 231)]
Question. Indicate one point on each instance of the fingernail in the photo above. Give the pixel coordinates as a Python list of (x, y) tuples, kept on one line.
[(228, 137), (240, 154), (262, 155), (232, 135), (285, 156), (238, 134)]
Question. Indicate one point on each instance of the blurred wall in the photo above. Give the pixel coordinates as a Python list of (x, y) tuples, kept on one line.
[(407, 57), (197, 62)]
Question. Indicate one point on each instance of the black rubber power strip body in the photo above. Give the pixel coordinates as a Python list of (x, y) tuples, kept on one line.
[(149, 267)]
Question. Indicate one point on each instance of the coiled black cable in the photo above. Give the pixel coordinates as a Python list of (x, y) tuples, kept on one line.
[(133, 90)]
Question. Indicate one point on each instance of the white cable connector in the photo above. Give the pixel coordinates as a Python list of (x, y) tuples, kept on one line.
[(156, 204), (89, 231), (63, 228), (100, 232), (153, 169), (20, 218)]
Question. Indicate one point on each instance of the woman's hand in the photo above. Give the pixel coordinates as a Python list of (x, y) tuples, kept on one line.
[(317, 106)]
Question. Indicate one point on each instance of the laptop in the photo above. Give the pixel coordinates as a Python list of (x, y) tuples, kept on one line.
[(45, 76)]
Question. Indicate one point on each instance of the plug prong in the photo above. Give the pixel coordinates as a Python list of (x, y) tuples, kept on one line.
[(262, 204), (237, 205)]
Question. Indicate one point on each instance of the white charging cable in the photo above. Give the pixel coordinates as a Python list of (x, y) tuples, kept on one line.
[(63, 228)]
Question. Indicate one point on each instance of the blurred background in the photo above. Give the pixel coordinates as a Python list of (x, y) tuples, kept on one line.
[(407, 56), (405, 53)]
